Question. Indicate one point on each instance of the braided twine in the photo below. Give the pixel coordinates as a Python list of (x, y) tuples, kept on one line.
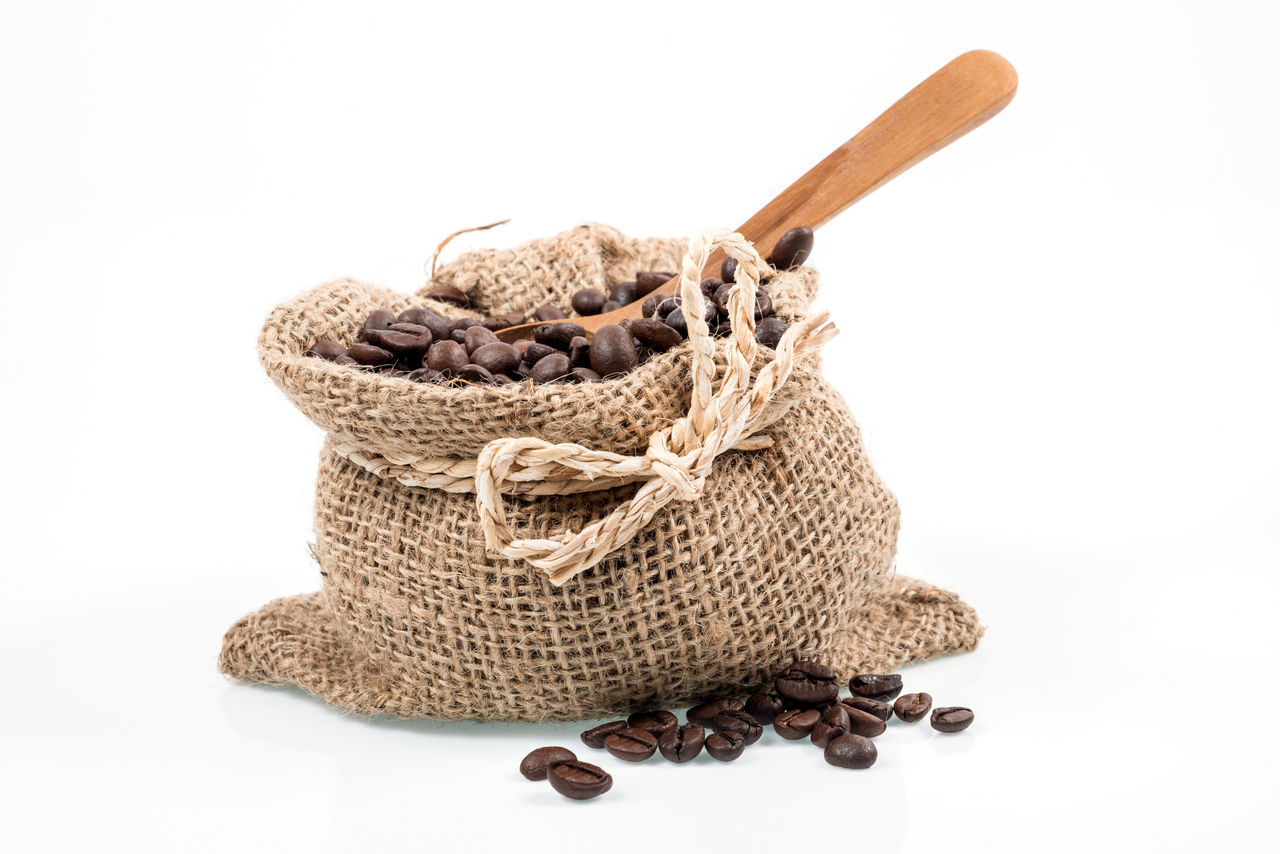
[(678, 458)]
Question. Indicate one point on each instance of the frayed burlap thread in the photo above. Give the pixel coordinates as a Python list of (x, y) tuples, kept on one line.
[(787, 550)]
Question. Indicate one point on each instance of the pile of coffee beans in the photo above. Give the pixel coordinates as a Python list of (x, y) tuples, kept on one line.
[(423, 345), (806, 704)]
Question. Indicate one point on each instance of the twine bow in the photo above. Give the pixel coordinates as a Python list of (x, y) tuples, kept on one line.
[(678, 458)]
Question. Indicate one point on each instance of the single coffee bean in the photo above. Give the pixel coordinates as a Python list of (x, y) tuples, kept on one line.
[(416, 316), (739, 721), (655, 333), (425, 375), (447, 357), (770, 331), (808, 683), (705, 714), (344, 359), (863, 723), (449, 294), (728, 267), (651, 303), (536, 764), (668, 304), (379, 319), (710, 285), (403, 339), (585, 375), (631, 744), (764, 305), (792, 248), (496, 358), (912, 707), (502, 379), (327, 349), (850, 751), (656, 721), (765, 708), (588, 301), (522, 344), (550, 368), (579, 780), (549, 312), (623, 293), (613, 351), (951, 718), (477, 337), (594, 737), (535, 351), (647, 283), (580, 352), (795, 724), (458, 335), (882, 687), (677, 322), (559, 335), (439, 325), (883, 711), (611, 305), (462, 323), (725, 746), (502, 321), (368, 354), (682, 743), (475, 374), (833, 723), (721, 297)]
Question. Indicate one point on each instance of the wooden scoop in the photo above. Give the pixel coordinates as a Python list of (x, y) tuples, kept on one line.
[(961, 95)]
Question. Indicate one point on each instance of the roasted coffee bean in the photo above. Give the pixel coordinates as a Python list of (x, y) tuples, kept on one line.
[(449, 294), (559, 335), (728, 268), (656, 721), (549, 312), (725, 746), (667, 304), (496, 358), (739, 721), (623, 293), (379, 319), (439, 325), (588, 301), (710, 285), (722, 329), (403, 339), (447, 357), (764, 305), (764, 707), (327, 349), (863, 723), (912, 707), (795, 724), (647, 283), (951, 718), (502, 379), (882, 687), (594, 737), (677, 322), (463, 323), (850, 751), (344, 359), (833, 723), (611, 305), (477, 337), (502, 321), (550, 368), (770, 331), (651, 303), (883, 711), (792, 248), (536, 764), (705, 714), (579, 780), (580, 352), (425, 375), (475, 374), (682, 743), (584, 375), (368, 354), (631, 744), (808, 683), (535, 351), (613, 351), (458, 335), (418, 316), (655, 333)]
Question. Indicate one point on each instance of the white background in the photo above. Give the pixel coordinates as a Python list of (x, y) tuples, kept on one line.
[(1059, 335)]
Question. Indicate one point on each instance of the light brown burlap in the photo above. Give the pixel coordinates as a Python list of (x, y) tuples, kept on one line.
[(786, 551)]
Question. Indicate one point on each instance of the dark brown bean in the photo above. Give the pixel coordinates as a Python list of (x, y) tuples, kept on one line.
[(764, 707), (344, 359), (559, 335), (721, 297), (368, 354), (770, 331), (584, 375), (535, 351), (792, 248), (833, 723), (631, 744), (403, 339), (877, 686), (588, 301), (327, 349), (677, 322), (579, 780), (449, 294), (728, 267), (883, 711), (704, 714), (475, 374), (611, 305), (463, 324), (709, 286), (682, 743), (951, 718), (725, 746), (651, 303), (477, 337), (795, 724), (550, 368), (613, 351), (863, 723), (656, 721), (912, 707), (850, 751), (647, 283), (458, 335), (496, 358), (623, 293), (538, 762), (417, 316), (379, 318), (808, 683), (439, 325), (425, 375), (580, 352), (764, 305), (739, 721), (594, 737), (447, 357), (549, 312), (655, 333)]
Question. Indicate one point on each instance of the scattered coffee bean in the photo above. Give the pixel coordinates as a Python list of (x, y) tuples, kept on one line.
[(792, 248), (850, 751), (550, 368), (623, 293), (770, 331), (883, 711), (876, 686), (682, 743), (631, 744), (559, 335), (728, 268), (651, 303), (534, 351), (795, 724), (379, 318), (588, 301), (416, 316), (344, 359), (951, 718), (478, 336), (863, 723), (765, 708), (655, 333), (675, 319), (496, 358), (425, 375), (475, 374), (549, 312), (656, 721), (594, 737), (449, 294), (584, 375), (579, 780), (447, 357), (609, 306), (739, 721), (613, 351), (704, 715), (368, 354), (580, 352), (912, 707), (647, 283), (327, 349), (833, 723), (808, 683), (536, 764), (725, 746)]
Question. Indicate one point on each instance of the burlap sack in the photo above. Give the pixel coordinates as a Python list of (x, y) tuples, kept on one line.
[(787, 551)]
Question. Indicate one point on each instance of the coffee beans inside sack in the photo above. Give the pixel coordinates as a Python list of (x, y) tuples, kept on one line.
[(553, 547)]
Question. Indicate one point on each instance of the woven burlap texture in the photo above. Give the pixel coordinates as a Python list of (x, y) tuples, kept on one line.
[(788, 552)]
